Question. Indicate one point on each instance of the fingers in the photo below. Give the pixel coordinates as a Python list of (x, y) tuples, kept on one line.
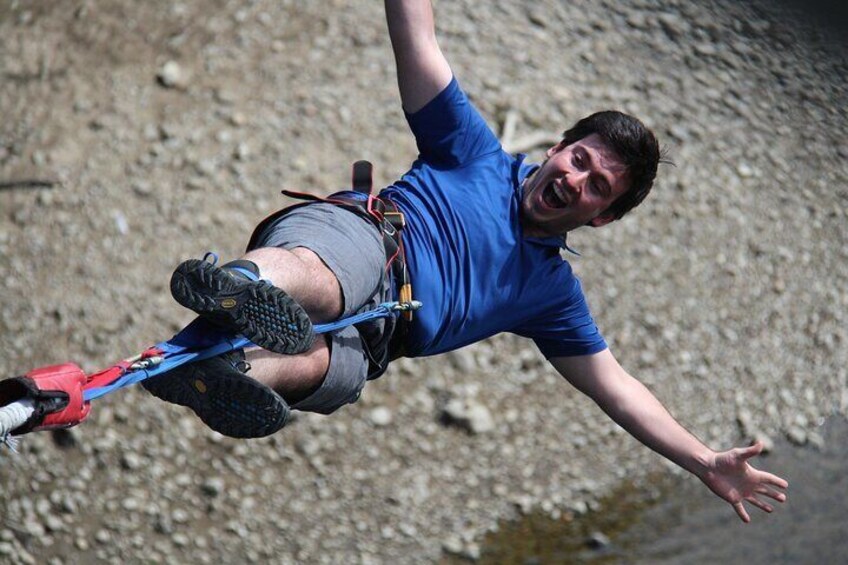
[(751, 451), (741, 512), (770, 479), (765, 491), (764, 506)]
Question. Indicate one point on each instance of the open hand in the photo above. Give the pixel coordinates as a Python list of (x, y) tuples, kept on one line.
[(731, 477)]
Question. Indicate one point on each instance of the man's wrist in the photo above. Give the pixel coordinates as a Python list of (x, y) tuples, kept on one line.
[(702, 462)]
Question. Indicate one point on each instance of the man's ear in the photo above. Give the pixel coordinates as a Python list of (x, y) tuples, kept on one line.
[(558, 147), (601, 219)]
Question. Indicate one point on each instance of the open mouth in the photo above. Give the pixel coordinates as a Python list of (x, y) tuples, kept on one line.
[(554, 196)]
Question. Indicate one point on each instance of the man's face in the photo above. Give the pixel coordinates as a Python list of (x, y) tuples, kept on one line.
[(572, 188)]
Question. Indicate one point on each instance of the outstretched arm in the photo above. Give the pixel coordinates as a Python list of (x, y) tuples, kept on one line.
[(728, 474), (423, 72)]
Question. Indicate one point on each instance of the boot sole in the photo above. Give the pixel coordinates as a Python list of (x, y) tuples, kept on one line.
[(259, 311), (234, 405)]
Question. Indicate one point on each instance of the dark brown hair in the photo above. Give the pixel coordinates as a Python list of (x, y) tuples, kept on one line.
[(634, 144)]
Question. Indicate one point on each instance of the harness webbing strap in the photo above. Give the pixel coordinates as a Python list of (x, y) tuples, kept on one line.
[(62, 393), (198, 341)]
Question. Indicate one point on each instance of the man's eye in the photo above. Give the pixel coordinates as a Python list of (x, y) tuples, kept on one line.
[(578, 160)]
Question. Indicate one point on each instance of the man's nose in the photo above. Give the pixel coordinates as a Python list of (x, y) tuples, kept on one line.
[(577, 180)]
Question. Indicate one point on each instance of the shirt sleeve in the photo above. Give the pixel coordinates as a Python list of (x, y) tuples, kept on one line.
[(569, 330), (450, 131)]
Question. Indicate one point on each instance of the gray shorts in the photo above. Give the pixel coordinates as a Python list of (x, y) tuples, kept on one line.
[(353, 250)]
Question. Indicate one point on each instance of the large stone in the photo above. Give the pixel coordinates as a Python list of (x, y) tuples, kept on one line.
[(470, 415)]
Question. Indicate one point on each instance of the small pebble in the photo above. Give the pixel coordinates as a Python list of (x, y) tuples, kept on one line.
[(381, 416)]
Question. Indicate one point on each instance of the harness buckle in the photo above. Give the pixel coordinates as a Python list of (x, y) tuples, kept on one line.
[(396, 218)]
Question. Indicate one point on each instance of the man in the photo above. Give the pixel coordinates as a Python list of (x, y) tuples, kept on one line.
[(482, 249)]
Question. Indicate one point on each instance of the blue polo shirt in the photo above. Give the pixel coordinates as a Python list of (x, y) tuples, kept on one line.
[(469, 262)]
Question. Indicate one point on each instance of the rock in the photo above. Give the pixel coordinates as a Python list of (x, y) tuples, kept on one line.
[(54, 524), (538, 18), (816, 440), (180, 539), (164, 524), (597, 540), (172, 75), (180, 516), (637, 20), (472, 551), (238, 119), (67, 505), (213, 486), (130, 504), (121, 223), (675, 26), (242, 151), (131, 461), (34, 528), (381, 416), (453, 545), (463, 359), (766, 440), (308, 447), (745, 171), (470, 415), (151, 132), (142, 187), (744, 419), (796, 435), (39, 158), (225, 96)]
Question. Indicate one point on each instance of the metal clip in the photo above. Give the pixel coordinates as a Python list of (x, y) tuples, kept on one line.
[(146, 363), (407, 306)]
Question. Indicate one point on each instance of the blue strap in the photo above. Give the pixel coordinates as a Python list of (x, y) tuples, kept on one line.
[(384, 310), (171, 361), (200, 340)]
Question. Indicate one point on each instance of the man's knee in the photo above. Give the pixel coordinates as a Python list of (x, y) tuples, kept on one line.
[(304, 276), (294, 377), (318, 272), (345, 377)]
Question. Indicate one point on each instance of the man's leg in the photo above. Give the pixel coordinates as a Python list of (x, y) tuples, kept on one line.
[(320, 263), (304, 277), (248, 394)]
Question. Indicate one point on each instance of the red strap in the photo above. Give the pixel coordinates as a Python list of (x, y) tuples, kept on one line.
[(113, 373), (106, 376), (66, 378)]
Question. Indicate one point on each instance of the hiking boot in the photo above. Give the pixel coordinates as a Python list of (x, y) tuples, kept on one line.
[(223, 396), (235, 298)]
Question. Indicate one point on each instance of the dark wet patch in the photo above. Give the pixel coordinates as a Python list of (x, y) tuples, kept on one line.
[(674, 519)]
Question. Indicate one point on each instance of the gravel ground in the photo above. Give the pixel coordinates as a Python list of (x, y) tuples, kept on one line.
[(168, 130)]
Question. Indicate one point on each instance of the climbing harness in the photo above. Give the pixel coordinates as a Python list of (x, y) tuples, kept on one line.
[(381, 347), (59, 396), (381, 212)]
